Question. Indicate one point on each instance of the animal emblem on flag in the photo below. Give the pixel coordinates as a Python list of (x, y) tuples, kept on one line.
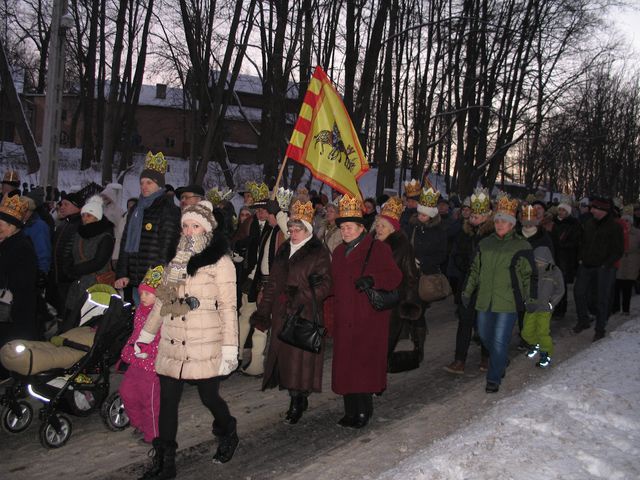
[(332, 138), (325, 141)]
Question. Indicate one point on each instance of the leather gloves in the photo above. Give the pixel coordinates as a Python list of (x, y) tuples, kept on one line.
[(229, 361), (364, 283), (144, 337), (272, 207)]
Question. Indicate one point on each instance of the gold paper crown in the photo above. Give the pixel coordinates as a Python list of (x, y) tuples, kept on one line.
[(11, 176), (284, 196), (480, 201), (155, 162), (153, 276), (429, 198), (392, 208), (217, 196), (14, 206), (302, 211), (259, 191), (412, 188), (350, 206), (506, 205)]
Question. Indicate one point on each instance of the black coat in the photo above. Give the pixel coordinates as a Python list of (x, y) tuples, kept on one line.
[(430, 244), (18, 273), (566, 238), (601, 243), (158, 241), (62, 245)]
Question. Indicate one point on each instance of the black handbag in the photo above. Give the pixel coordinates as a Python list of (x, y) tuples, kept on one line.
[(403, 361), (380, 299), (302, 333)]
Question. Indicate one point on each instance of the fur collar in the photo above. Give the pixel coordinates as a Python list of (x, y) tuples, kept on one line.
[(434, 222), (396, 239), (484, 229), (309, 248), (218, 247), (94, 229)]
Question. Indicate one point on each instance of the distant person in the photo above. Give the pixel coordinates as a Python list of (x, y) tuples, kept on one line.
[(190, 195), (601, 246)]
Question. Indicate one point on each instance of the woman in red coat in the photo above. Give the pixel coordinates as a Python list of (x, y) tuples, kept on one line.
[(360, 332)]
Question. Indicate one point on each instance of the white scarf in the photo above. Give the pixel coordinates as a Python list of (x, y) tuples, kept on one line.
[(295, 248)]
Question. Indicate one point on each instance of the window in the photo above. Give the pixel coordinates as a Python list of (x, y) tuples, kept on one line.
[(161, 90)]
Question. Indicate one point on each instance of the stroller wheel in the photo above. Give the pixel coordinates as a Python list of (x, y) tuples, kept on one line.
[(113, 413), (16, 423), (52, 438)]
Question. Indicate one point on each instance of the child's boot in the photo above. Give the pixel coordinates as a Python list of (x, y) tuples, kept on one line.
[(545, 360), (533, 350)]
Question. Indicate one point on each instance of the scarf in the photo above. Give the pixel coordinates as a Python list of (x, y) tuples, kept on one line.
[(353, 244), (175, 273), (134, 230), (295, 248)]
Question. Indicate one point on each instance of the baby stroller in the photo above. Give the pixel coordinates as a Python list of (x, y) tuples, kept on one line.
[(79, 388)]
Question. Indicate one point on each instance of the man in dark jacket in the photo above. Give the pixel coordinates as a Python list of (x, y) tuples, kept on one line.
[(151, 234), (601, 246), (59, 280), (412, 192), (565, 236)]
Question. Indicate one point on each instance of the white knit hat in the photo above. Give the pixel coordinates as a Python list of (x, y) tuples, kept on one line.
[(94, 206), (566, 207), (201, 212)]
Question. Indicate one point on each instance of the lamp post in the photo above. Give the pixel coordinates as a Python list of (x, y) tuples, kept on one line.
[(61, 21)]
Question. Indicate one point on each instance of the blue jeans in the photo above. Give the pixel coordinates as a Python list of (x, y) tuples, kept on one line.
[(595, 282), (495, 330)]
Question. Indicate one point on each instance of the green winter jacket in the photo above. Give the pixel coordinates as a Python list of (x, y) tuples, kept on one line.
[(501, 274)]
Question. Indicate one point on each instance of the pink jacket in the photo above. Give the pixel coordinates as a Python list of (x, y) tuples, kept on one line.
[(128, 355)]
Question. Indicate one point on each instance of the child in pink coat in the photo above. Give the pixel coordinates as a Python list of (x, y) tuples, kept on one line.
[(140, 387)]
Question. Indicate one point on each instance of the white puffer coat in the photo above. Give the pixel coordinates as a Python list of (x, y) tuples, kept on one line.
[(191, 345)]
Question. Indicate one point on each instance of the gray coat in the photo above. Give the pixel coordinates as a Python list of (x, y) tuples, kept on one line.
[(550, 281)]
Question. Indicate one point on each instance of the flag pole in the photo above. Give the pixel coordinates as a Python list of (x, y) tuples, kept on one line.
[(279, 179)]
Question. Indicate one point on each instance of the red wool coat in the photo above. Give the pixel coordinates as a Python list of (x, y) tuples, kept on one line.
[(360, 333)]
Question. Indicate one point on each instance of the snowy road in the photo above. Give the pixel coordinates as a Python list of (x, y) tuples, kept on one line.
[(423, 409)]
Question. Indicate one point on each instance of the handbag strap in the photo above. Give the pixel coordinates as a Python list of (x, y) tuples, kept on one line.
[(366, 259)]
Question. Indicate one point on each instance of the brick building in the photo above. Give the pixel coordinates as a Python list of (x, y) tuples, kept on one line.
[(164, 121)]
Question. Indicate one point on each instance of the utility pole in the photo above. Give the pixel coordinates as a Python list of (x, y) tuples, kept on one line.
[(61, 21)]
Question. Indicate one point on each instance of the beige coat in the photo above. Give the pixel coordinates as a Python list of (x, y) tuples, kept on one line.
[(191, 345)]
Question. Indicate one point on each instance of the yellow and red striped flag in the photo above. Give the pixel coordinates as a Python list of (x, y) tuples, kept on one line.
[(324, 140)]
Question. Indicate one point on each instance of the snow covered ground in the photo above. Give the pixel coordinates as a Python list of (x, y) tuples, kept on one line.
[(583, 422)]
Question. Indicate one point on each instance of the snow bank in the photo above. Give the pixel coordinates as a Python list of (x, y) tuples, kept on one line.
[(582, 422)]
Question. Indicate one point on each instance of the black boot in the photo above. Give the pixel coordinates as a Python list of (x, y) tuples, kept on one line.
[(365, 410), (350, 410), (298, 405), (164, 461), (227, 442)]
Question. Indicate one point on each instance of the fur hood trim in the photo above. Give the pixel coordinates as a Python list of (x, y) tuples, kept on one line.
[(96, 228), (483, 230), (218, 247)]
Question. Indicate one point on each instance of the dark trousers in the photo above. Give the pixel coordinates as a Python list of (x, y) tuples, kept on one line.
[(623, 288), (466, 322), (561, 308), (170, 394), (599, 283)]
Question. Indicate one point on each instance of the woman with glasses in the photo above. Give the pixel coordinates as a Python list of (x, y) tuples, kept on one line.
[(300, 276)]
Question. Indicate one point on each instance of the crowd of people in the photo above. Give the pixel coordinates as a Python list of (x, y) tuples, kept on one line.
[(214, 287)]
